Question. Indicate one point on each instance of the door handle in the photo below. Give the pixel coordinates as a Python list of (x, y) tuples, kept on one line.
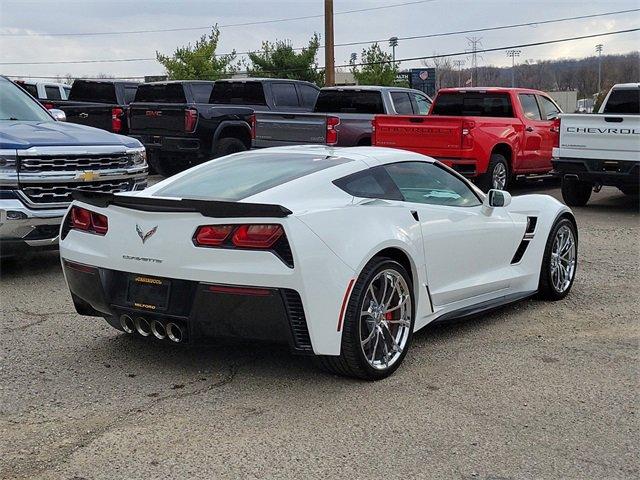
[(529, 129)]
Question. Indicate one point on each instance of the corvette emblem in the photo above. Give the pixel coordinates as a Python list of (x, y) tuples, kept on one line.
[(145, 236), (87, 176)]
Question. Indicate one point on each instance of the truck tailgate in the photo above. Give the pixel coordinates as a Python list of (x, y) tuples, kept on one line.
[(157, 118), (602, 136), (97, 115), (423, 134), (273, 128)]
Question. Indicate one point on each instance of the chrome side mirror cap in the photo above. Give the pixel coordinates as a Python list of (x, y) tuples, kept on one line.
[(497, 198), (58, 115)]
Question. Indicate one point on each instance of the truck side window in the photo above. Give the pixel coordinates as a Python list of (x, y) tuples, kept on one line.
[(284, 95), (423, 102), (402, 103), (53, 92), (201, 92), (308, 94), (530, 106), (551, 111), (423, 182)]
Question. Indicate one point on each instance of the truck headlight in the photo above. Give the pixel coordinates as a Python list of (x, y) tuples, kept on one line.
[(138, 156)]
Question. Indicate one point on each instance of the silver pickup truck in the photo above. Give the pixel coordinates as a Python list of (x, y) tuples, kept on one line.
[(342, 116), (43, 160)]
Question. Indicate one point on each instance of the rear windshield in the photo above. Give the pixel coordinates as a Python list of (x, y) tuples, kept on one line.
[(238, 93), (473, 104), (32, 89), (161, 93), (243, 175), (349, 101), (623, 101), (98, 92)]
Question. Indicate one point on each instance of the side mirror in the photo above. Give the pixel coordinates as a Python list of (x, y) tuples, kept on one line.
[(58, 115), (496, 198)]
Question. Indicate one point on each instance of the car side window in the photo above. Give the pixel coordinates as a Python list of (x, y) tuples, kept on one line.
[(530, 106), (432, 184), (201, 92), (551, 111), (371, 183), (402, 103), (423, 103), (284, 95), (53, 92), (308, 94)]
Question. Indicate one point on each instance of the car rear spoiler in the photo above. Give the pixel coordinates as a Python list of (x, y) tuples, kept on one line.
[(208, 208)]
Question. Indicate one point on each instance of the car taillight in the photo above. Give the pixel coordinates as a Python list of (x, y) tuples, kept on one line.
[(332, 133), (373, 131), (256, 236), (555, 129), (88, 221), (252, 124), (212, 235), (467, 137), (48, 105), (116, 120), (190, 120)]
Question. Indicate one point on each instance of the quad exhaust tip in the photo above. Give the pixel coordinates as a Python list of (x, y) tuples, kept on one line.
[(158, 330), (127, 324), (142, 326), (174, 332)]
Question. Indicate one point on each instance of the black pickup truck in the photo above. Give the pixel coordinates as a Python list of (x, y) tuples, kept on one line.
[(98, 103), (180, 127)]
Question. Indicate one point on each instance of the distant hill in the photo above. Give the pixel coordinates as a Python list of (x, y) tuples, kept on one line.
[(548, 75)]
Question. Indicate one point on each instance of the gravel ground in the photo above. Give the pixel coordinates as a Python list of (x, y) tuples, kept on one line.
[(535, 390)]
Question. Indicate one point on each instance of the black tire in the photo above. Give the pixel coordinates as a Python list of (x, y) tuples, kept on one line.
[(486, 181), (227, 146), (166, 166), (576, 193), (546, 289), (352, 362), (630, 190)]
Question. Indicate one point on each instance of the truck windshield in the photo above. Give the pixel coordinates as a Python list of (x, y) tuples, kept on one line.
[(473, 104), (161, 93), (624, 100), (235, 177), (349, 101), (15, 104), (97, 92), (238, 93)]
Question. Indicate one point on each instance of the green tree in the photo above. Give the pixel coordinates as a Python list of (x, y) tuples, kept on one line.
[(378, 68), (199, 62), (279, 60)]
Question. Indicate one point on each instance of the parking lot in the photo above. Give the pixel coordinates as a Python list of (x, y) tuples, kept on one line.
[(535, 390)]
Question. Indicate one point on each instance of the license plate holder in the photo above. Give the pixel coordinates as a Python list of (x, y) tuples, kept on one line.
[(148, 293)]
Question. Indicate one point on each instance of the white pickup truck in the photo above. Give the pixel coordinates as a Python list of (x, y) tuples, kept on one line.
[(601, 149)]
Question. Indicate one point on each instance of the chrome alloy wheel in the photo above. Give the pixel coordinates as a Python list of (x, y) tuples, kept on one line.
[(499, 176), (385, 319), (563, 259)]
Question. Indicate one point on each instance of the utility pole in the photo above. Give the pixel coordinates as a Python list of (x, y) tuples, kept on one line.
[(474, 43), (599, 52), (513, 54), (329, 63), (459, 64), (393, 43)]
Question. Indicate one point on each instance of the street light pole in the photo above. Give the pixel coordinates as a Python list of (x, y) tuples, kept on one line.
[(513, 54), (599, 52), (393, 43)]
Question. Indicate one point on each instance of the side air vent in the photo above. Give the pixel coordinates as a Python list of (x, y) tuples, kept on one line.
[(520, 251), (298, 321), (531, 224), (528, 236)]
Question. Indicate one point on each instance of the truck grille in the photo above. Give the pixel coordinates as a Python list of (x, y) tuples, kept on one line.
[(50, 163), (44, 194)]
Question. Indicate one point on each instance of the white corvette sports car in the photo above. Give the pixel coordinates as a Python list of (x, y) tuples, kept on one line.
[(340, 252)]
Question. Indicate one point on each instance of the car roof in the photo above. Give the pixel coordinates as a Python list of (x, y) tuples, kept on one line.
[(626, 86), (266, 80), (489, 89), (376, 88)]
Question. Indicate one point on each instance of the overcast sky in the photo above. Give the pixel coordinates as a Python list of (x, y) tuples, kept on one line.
[(37, 18)]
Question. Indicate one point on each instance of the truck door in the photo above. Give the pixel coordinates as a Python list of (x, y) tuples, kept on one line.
[(532, 154), (550, 112)]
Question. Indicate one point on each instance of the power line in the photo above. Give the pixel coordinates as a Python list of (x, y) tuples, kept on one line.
[(409, 59), (414, 37), (183, 29)]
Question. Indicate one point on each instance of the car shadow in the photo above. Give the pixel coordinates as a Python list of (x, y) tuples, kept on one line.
[(30, 264)]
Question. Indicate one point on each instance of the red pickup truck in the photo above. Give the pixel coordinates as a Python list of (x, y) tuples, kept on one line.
[(490, 134)]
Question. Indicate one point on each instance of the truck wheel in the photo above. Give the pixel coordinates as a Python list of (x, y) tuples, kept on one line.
[(378, 323), (576, 193), (559, 262), (165, 166), (227, 146), (497, 175)]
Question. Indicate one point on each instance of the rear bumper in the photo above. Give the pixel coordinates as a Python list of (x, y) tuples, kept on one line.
[(201, 310), (597, 171), (156, 144)]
